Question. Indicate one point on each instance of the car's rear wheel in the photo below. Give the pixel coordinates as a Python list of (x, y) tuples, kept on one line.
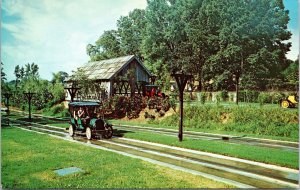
[(285, 104), (108, 132), (71, 131), (88, 133)]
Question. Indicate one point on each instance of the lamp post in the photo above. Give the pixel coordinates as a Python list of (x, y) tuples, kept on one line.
[(72, 91), (29, 96), (181, 80), (7, 96)]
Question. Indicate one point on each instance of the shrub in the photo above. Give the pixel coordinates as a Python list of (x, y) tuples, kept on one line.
[(264, 121), (277, 96), (224, 95), (203, 97), (264, 98), (57, 109)]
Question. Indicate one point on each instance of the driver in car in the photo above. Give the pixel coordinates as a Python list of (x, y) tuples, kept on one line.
[(81, 114)]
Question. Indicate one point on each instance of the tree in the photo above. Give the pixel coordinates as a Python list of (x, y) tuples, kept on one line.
[(106, 47), (131, 31), (3, 78), (17, 74), (4, 85), (291, 74), (59, 77), (81, 79), (22, 72), (165, 45), (249, 39)]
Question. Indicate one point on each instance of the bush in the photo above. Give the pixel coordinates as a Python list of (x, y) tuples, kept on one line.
[(264, 98), (248, 96), (57, 109), (277, 96), (253, 120), (203, 97), (224, 95)]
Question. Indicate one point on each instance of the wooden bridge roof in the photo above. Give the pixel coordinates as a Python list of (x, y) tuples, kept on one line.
[(107, 69)]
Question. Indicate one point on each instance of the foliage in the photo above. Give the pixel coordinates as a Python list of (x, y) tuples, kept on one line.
[(121, 106), (263, 121), (264, 98), (248, 96), (291, 74), (203, 97), (46, 93), (261, 97), (3, 75), (57, 110), (243, 44), (131, 31), (106, 47), (59, 77), (4, 86)]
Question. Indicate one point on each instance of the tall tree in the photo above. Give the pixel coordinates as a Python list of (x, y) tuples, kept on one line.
[(59, 77), (131, 30), (22, 72), (291, 75), (166, 45), (17, 74), (4, 85), (249, 41), (3, 75), (106, 47)]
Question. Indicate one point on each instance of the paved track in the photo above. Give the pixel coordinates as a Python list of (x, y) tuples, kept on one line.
[(276, 144)]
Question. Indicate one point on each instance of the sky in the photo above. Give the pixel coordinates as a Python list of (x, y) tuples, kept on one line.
[(54, 33)]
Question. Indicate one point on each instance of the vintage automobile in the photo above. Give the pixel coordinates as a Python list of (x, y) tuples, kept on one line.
[(91, 124)]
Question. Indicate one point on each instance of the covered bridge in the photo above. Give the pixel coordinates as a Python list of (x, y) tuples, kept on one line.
[(123, 75)]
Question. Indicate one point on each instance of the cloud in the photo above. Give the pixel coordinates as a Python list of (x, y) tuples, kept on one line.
[(54, 33)]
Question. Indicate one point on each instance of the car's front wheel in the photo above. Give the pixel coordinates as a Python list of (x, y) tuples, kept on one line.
[(71, 131), (88, 133)]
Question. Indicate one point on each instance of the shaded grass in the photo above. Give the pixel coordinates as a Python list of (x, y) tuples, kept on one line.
[(260, 154), (28, 161)]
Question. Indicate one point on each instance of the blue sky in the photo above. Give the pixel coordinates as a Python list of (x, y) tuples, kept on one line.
[(54, 33)]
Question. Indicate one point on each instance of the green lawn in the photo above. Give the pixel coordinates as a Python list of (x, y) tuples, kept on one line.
[(144, 124), (260, 154), (28, 161)]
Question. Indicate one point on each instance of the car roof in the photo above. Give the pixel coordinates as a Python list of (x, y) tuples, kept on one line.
[(86, 103)]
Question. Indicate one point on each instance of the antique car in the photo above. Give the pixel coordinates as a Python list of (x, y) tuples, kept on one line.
[(90, 123)]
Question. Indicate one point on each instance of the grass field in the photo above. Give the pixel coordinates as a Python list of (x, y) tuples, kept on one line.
[(144, 124), (260, 154), (28, 161)]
